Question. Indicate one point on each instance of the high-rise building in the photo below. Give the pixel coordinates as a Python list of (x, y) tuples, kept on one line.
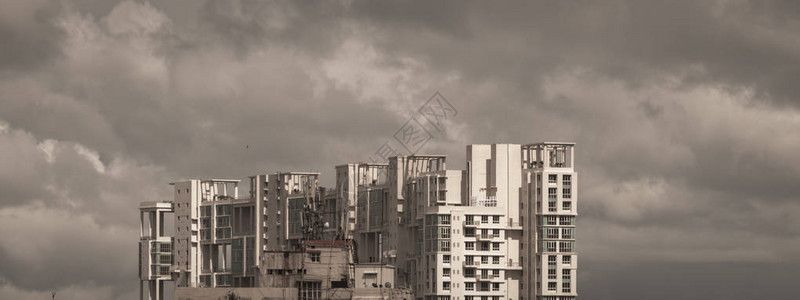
[(502, 229), (549, 209)]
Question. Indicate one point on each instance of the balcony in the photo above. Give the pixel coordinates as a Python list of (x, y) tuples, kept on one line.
[(484, 236), (474, 263), (472, 223), (513, 225), (513, 265), (482, 277)]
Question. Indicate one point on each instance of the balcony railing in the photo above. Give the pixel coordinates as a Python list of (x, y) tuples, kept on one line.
[(482, 277), (484, 236), (472, 222), (473, 263)]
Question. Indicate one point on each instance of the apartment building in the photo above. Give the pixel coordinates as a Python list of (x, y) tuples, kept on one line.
[(502, 228), (549, 208)]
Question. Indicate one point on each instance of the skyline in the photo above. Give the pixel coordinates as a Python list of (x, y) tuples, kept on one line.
[(686, 115)]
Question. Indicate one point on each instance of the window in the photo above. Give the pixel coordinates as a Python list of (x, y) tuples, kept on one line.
[(567, 233), (567, 193), (551, 220), (551, 286), (496, 260), (446, 259), (444, 219), (444, 245), (551, 193), (566, 275), (566, 205), (469, 286), (485, 219), (446, 272), (445, 232), (315, 257), (496, 232), (552, 178), (446, 285), (551, 273), (567, 180), (566, 259), (469, 245), (552, 233), (495, 246), (567, 220), (565, 287), (469, 273), (469, 232), (566, 246), (496, 219), (551, 246), (495, 286)]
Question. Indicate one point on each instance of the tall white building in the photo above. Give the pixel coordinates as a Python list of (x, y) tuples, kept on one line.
[(549, 208), (502, 229)]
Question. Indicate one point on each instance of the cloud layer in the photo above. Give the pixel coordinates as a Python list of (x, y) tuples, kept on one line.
[(685, 114)]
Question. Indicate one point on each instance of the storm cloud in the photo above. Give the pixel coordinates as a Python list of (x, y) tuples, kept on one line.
[(686, 116)]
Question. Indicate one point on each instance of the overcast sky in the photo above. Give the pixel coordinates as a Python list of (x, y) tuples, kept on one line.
[(686, 116)]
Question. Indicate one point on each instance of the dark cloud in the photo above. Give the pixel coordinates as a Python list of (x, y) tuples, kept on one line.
[(29, 38), (685, 115)]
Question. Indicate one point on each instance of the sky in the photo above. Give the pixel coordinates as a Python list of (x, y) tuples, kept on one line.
[(686, 116)]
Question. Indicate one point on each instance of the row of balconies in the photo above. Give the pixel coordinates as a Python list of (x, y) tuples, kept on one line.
[(207, 270), (508, 264), (508, 224)]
